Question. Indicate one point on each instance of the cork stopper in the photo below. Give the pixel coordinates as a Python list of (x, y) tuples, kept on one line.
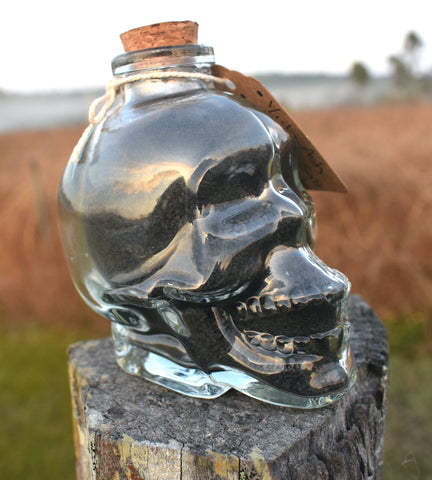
[(165, 34)]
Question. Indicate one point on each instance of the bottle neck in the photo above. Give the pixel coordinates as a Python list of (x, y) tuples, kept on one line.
[(184, 58), (179, 56)]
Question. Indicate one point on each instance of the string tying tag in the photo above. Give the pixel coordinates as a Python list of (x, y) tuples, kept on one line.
[(100, 106)]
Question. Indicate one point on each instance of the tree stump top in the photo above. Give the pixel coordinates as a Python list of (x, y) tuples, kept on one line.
[(124, 424)]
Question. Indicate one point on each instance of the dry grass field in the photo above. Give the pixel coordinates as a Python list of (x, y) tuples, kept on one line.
[(34, 281), (379, 234)]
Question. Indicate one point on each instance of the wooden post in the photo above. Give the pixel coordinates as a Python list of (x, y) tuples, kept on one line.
[(127, 428)]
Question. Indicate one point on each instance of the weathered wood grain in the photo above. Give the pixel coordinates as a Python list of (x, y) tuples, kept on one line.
[(128, 428)]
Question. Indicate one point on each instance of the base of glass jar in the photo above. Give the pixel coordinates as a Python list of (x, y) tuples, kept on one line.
[(196, 383)]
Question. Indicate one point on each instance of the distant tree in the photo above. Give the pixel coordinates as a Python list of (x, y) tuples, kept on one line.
[(412, 48), (401, 72), (359, 74), (413, 41), (405, 66)]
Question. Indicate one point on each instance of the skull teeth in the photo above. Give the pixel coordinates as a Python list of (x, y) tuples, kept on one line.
[(277, 303), (280, 343), (262, 304)]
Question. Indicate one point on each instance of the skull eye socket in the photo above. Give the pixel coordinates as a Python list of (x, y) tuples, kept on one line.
[(236, 177)]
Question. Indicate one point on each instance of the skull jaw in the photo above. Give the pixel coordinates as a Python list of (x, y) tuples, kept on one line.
[(194, 382), (208, 354)]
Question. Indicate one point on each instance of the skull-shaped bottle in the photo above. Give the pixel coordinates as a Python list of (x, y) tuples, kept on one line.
[(185, 223)]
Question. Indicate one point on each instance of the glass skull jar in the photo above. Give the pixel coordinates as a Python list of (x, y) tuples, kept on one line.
[(185, 224)]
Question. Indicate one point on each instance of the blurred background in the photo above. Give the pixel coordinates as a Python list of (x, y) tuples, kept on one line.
[(357, 77)]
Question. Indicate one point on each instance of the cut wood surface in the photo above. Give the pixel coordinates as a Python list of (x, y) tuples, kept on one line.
[(128, 428)]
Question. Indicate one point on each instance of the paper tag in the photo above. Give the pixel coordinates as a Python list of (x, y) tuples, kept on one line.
[(315, 173)]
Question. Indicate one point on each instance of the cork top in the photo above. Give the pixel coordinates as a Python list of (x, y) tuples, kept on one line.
[(165, 34)]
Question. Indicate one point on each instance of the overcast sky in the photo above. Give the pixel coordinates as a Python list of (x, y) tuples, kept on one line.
[(47, 44)]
